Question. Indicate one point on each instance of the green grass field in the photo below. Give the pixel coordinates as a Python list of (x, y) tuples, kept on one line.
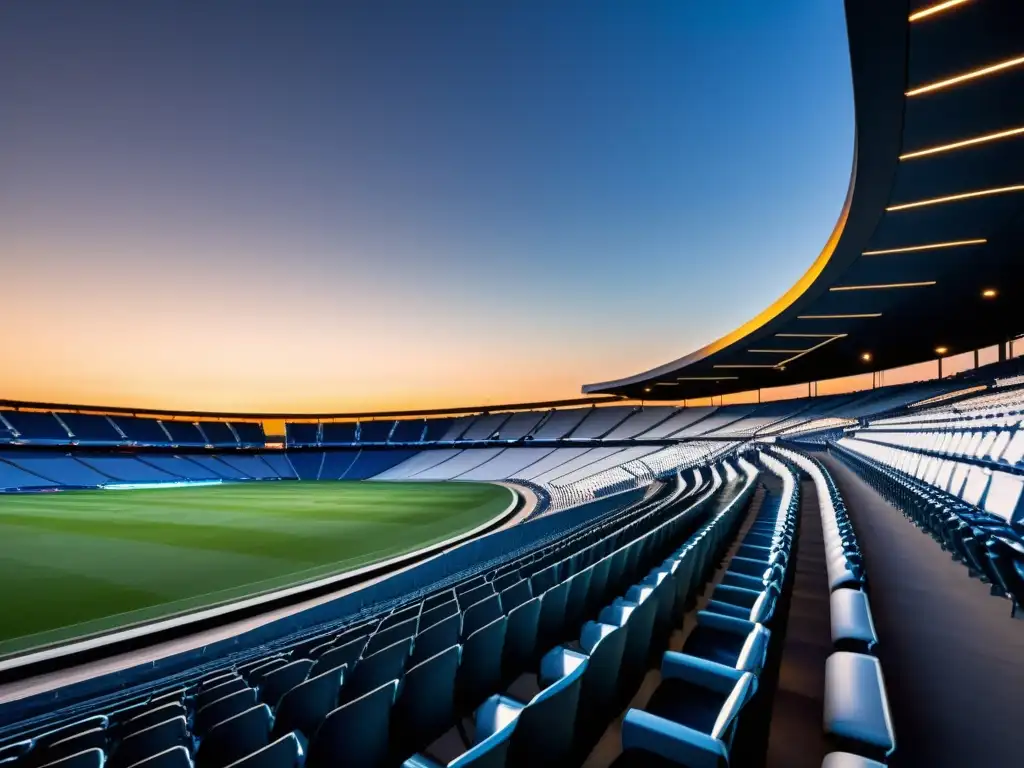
[(80, 562)]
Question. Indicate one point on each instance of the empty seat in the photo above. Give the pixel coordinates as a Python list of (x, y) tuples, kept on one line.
[(306, 705), (95, 738), (152, 741), (520, 646), (344, 655), (438, 614), (856, 706), (88, 758), (493, 726), (222, 709), (374, 671), (220, 689), (473, 596), (604, 645), (480, 670), (385, 637), (480, 614), (736, 643), (356, 734), (691, 718), (235, 738), (256, 674), (152, 717), (281, 680), (287, 752), (852, 626), (437, 638), (175, 757), (426, 704)]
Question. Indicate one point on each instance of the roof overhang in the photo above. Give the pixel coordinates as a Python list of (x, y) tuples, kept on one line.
[(931, 221)]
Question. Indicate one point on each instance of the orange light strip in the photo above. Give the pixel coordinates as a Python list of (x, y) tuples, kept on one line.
[(954, 198), (964, 143), (929, 247), (881, 286), (741, 365), (973, 75), (931, 10), (839, 317), (707, 378)]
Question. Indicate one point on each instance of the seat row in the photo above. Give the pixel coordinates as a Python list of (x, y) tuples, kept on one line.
[(552, 717), (989, 546), (693, 716), (483, 628), (856, 707)]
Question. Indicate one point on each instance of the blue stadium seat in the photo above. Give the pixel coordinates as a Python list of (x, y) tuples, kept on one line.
[(281, 680), (234, 738), (480, 672), (371, 672), (357, 733), (175, 757), (152, 741), (857, 714), (306, 705), (426, 702), (288, 751), (227, 706), (88, 758), (691, 718)]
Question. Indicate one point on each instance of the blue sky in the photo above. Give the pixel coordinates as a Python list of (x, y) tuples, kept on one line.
[(325, 205)]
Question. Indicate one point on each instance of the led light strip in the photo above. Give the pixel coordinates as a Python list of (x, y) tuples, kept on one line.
[(776, 351), (931, 10), (964, 143), (707, 378), (881, 286), (973, 75), (929, 247), (839, 317), (809, 335), (954, 198), (743, 365), (812, 349)]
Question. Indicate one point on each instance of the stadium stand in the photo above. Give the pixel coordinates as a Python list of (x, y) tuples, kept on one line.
[(35, 427), (250, 434), (87, 429), (375, 431), (59, 469), (218, 434), (338, 433), (408, 431), (141, 431), (184, 434)]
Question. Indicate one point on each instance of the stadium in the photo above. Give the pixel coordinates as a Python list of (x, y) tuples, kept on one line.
[(677, 567)]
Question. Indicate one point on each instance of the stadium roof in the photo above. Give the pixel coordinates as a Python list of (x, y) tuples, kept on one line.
[(925, 258)]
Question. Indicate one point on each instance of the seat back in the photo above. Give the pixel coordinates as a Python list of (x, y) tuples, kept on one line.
[(481, 614), (543, 734), (425, 708), (235, 738), (175, 757), (346, 655), (521, 637), (371, 672), (283, 679), (87, 758), (287, 752), (480, 671), (152, 741), (222, 709), (306, 705), (356, 734), (433, 640)]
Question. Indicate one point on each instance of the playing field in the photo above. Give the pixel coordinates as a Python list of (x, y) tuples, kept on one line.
[(79, 562)]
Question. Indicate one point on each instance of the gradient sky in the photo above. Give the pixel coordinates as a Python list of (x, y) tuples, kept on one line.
[(358, 205)]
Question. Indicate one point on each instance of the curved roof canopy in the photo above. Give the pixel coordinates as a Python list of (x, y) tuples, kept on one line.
[(926, 256)]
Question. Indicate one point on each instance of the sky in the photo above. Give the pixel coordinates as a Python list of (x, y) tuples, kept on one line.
[(323, 206)]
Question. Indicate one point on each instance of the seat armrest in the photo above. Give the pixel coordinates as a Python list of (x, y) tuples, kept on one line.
[(671, 741)]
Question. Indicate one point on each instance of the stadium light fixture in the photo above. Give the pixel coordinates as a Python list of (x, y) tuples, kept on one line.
[(989, 293), (881, 286), (866, 357), (949, 82), (647, 389), (999, 135), (955, 198), (928, 247), (941, 350), (931, 10), (855, 316)]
